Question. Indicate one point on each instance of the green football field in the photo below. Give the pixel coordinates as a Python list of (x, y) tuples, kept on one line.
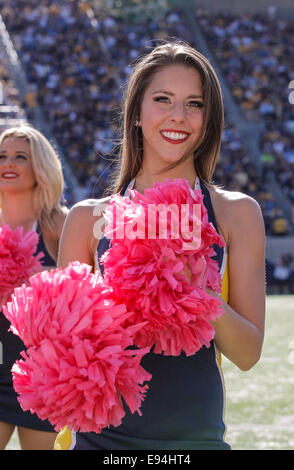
[(260, 406), (260, 403)]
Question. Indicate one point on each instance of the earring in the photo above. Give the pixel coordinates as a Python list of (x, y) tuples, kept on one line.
[(136, 123)]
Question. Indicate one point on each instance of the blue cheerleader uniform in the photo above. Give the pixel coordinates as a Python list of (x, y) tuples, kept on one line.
[(184, 406)]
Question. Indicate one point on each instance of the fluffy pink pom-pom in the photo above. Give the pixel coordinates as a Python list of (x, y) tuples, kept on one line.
[(146, 273), (79, 364), (18, 260)]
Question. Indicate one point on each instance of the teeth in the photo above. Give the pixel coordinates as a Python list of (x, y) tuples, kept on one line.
[(9, 175), (174, 135)]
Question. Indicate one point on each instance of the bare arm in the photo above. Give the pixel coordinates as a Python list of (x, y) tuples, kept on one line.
[(78, 239), (240, 330)]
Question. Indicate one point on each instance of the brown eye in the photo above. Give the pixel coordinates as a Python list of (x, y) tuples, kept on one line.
[(196, 104), (161, 99)]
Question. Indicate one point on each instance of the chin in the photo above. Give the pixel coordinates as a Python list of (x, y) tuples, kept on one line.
[(175, 159)]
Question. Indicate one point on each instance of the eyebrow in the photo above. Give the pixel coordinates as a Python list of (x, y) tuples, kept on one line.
[(17, 151), (172, 94)]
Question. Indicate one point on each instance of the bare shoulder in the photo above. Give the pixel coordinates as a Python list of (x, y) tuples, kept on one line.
[(236, 211), (58, 219), (82, 230), (85, 219), (84, 211), (234, 200)]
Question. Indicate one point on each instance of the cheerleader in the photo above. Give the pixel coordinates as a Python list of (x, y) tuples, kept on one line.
[(31, 185), (173, 121)]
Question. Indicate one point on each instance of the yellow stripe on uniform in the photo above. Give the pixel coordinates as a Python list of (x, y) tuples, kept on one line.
[(64, 440), (225, 283), (224, 294)]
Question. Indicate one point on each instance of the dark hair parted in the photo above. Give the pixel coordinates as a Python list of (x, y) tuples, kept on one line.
[(208, 145)]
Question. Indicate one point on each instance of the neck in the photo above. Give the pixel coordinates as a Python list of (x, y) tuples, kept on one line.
[(146, 179), (17, 210)]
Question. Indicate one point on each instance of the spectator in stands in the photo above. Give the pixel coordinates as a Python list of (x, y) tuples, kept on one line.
[(92, 60), (268, 164), (280, 224), (282, 274), (255, 51)]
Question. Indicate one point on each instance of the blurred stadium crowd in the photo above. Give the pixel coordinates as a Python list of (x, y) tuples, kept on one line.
[(255, 53), (77, 58)]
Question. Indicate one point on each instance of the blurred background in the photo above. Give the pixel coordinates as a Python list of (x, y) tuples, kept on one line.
[(63, 64)]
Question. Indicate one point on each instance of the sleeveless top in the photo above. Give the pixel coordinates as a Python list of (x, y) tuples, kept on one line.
[(12, 344), (184, 405)]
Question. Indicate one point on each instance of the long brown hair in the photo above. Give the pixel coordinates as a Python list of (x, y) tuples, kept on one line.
[(208, 145)]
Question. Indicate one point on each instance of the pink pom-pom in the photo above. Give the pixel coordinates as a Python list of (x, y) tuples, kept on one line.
[(18, 260), (146, 272), (79, 364)]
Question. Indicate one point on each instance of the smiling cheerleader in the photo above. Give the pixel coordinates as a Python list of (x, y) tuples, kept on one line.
[(31, 185), (173, 122)]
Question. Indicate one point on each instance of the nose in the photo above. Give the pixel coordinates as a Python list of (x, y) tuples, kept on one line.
[(7, 162), (177, 113)]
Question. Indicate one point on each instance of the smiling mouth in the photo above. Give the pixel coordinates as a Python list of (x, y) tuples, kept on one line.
[(175, 137), (9, 175)]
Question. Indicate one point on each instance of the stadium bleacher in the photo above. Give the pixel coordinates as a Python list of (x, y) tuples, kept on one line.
[(11, 106), (255, 55), (77, 58)]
